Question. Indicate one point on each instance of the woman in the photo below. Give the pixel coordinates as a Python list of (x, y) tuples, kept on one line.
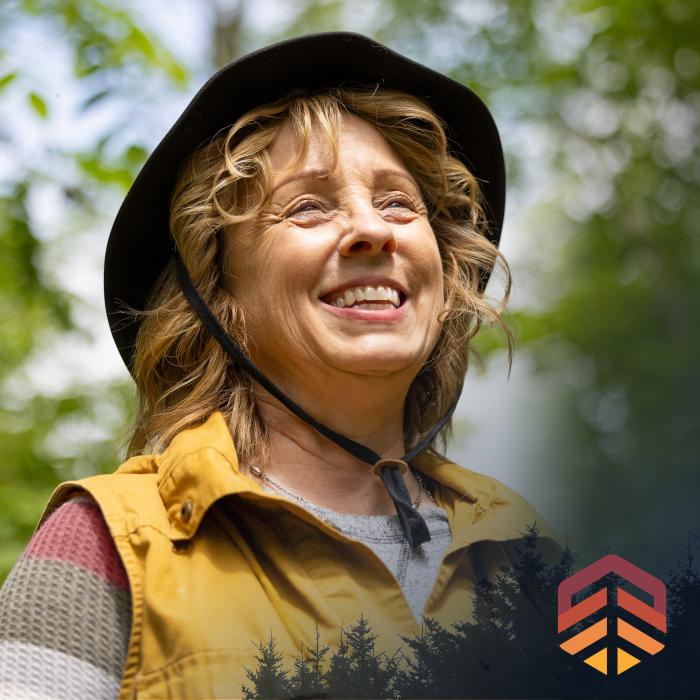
[(296, 309)]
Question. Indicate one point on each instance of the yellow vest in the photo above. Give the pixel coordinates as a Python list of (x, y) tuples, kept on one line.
[(217, 565)]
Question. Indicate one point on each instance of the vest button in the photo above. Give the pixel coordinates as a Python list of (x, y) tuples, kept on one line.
[(186, 511)]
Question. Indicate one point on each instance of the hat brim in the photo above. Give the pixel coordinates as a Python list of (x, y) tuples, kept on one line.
[(140, 244)]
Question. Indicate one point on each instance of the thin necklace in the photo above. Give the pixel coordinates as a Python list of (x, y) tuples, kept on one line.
[(258, 473)]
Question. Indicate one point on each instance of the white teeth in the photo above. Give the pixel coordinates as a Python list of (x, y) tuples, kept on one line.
[(354, 296), (368, 293)]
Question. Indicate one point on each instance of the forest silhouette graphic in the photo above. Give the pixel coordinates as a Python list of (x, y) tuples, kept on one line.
[(509, 648)]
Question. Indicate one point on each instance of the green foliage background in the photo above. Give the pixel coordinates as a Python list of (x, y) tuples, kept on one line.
[(598, 104)]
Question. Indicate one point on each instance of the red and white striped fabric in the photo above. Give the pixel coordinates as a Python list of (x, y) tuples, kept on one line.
[(65, 611)]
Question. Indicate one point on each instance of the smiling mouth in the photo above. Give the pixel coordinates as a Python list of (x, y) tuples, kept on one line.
[(371, 298)]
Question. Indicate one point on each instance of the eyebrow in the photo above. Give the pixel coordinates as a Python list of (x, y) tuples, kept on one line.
[(322, 174)]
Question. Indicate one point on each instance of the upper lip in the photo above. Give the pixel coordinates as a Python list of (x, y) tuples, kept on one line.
[(366, 281)]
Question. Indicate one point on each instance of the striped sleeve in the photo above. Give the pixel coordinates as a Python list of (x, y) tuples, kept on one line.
[(65, 611)]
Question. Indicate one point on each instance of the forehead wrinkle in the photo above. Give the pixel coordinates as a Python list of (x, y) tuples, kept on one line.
[(318, 153), (386, 173), (307, 174), (312, 149), (373, 177)]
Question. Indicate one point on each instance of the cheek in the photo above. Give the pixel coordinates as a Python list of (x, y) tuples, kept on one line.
[(272, 287), (293, 259), (249, 264), (431, 264), (245, 273)]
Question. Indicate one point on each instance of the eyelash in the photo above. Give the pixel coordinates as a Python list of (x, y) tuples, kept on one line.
[(401, 199)]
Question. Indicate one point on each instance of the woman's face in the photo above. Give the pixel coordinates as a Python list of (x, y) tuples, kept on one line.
[(341, 272)]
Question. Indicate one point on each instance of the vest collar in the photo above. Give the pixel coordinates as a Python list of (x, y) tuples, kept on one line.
[(200, 467)]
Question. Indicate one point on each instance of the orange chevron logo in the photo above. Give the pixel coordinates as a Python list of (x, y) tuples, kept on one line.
[(609, 656)]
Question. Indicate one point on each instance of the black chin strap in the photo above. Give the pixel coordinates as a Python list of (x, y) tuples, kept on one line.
[(391, 471)]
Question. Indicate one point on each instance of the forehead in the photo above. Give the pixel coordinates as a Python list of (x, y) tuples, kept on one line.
[(357, 141)]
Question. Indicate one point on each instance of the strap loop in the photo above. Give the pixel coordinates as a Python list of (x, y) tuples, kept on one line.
[(391, 463)]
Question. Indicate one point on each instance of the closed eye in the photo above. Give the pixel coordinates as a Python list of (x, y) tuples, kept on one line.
[(400, 203), (394, 203), (305, 206)]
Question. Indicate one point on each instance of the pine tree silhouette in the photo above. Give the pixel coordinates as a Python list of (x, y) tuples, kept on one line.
[(684, 595), (339, 677), (530, 570), (300, 682), (417, 678), (532, 586), (373, 674), (562, 569), (510, 647), (513, 633), (269, 679), (680, 657), (308, 681), (435, 667)]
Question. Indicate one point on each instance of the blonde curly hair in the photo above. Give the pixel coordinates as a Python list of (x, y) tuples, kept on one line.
[(181, 372)]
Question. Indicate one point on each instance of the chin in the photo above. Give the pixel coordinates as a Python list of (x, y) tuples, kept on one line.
[(375, 363)]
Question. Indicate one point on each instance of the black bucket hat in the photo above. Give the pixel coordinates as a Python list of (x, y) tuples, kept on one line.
[(140, 244)]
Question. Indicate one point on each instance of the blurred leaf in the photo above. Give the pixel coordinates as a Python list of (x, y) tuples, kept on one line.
[(135, 156), (38, 105), (115, 171), (94, 99), (6, 79), (105, 173), (105, 37)]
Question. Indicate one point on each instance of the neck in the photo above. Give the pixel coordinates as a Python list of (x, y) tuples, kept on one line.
[(315, 468)]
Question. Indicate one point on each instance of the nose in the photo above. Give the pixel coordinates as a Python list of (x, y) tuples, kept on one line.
[(367, 233)]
